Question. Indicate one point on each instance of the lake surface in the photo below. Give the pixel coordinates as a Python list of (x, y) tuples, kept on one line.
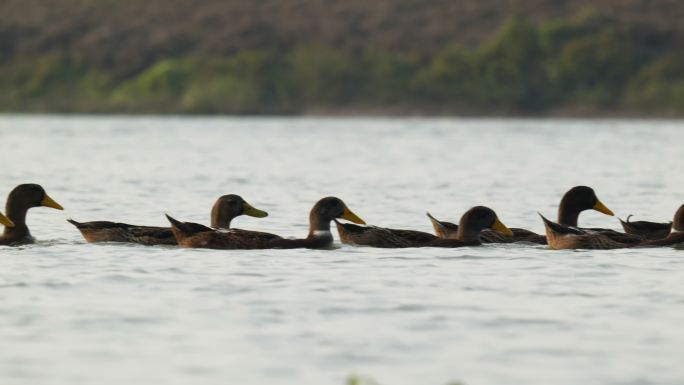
[(78, 313)]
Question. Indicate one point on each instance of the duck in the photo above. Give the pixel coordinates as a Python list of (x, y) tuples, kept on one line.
[(574, 201), (449, 230), (470, 227), (676, 235), (20, 200), (193, 235), (560, 237), (225, 209), (5, 221), (645, 229)]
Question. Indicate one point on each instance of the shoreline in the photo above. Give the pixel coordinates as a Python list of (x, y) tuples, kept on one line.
[(384, 112)]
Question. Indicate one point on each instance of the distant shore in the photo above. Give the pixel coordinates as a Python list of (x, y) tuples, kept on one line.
[(383, 112), (586, 65)]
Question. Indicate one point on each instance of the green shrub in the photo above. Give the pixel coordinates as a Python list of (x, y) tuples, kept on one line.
[(224, 94), (162, 83), (452, 74), (659, 85), (322, 75), (510, 68)]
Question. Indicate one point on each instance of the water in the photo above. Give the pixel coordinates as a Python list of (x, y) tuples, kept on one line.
[(77, 313)]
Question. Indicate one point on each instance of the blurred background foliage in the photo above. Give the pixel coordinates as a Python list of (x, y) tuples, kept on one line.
[(588, 62)]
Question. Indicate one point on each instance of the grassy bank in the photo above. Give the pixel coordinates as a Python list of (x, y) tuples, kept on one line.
[(585, 64)]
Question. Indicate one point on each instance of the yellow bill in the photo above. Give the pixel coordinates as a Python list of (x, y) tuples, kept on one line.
[(351, 217), (248, 209), (6, 221), (600, 207), (49, 202), (501, 228)]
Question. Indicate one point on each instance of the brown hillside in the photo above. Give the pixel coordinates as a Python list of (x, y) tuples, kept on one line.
[(131, 33)]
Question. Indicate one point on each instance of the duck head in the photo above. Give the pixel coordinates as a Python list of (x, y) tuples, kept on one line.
[(26, 196), (327, 209), (477, 219), (230, 206), (19, 201), (576, 200)]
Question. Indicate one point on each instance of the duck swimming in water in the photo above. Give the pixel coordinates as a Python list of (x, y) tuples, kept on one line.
[(561, 237), (676, 235), (470, 227), (19, 201), (323, 212), (645, 229), (574, 201), (225, 209), (449, 230)]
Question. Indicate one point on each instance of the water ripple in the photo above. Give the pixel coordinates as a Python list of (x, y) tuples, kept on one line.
[(72, 312)]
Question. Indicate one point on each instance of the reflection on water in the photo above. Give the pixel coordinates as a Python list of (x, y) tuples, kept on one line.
[(72, 312)]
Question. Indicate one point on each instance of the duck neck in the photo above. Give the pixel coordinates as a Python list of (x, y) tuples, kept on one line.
[(568, 215), (17, 214), (467, 235), (219, 221), (318, 226)]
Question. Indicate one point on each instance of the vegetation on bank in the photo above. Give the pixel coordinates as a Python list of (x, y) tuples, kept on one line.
[(586, 62)]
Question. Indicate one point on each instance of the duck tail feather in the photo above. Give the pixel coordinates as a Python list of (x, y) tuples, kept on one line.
[(174, 222), (187, 228), (558, 228), (549, 223), (546, 221)]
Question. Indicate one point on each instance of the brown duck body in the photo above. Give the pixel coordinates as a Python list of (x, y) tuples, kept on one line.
[(194, 235), (381, 237), (676, 235), (449, 230), (225, 209), (19, 201), (630, 239), (472, 224), (647, 230), (672, 239), (105, 231), (561, 237), (325, 210)]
